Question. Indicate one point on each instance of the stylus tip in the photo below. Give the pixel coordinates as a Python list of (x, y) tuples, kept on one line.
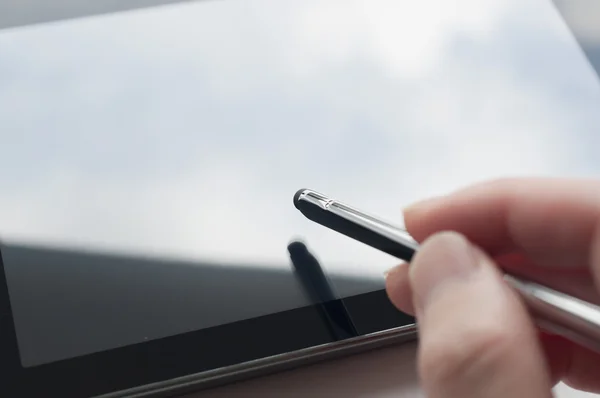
[(296, 248), (297, 197)]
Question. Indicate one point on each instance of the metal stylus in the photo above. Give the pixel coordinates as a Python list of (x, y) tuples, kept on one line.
[(553, 311)]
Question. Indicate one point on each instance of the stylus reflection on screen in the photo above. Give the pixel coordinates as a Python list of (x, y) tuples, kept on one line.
[(320, 291)]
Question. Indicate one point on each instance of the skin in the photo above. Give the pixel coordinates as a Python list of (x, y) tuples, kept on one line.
[(476, 337)]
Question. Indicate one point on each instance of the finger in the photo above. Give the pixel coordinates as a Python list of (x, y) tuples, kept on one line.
[(575, 365), (576, 281), (573, 282), (582, 369), (565, 360), (557, 351), (553, 220), (476, 339), (397, 286)]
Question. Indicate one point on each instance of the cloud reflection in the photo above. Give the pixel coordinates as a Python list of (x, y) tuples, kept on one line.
[(185, 130)]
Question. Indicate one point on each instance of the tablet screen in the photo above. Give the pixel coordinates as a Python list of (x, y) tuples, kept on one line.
[(149, 158)]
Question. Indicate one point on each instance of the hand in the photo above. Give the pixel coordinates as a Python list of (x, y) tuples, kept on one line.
[(476, 338)]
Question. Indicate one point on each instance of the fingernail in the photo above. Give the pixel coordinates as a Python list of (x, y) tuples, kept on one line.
[(387, 272), (443, 258), (390, 273), (423, 205)]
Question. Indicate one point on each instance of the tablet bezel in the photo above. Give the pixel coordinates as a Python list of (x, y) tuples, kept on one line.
[(192, 359)]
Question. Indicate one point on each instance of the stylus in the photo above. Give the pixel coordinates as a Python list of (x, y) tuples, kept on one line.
[(319, 289), (554, 311)]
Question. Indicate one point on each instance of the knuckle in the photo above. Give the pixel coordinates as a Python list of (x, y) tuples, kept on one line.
[(470, 356)]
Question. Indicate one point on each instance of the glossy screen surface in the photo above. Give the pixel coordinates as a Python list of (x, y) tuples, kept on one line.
[(156, 151)]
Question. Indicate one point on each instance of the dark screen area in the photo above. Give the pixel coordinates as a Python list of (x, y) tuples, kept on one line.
[(68, 303), (55, 328)]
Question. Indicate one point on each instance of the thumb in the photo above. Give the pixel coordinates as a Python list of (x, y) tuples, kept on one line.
[(476, 339)]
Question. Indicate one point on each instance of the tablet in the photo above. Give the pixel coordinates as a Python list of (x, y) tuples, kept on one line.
[(149, 159)]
